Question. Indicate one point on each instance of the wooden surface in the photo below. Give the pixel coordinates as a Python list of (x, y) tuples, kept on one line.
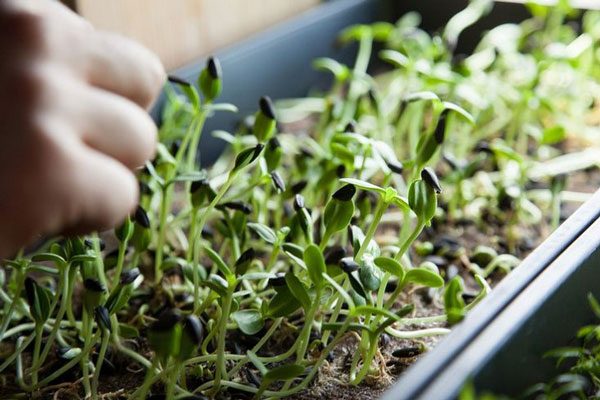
[(181, 30)]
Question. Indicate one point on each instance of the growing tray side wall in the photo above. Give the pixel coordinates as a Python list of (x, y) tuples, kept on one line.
[(507, 357), (444, 369)]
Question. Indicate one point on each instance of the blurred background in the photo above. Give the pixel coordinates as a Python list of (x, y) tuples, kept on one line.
[(180, 31), (183, 30)]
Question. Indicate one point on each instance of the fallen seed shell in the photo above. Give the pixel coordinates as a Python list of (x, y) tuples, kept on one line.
[(197, 185), (246, 256), (440, 129), (273, 144), (178, 80), (252, 378), (141, 217), (334, 255), (278, 280), (94, 285), (266, 107), (144, 188), (429, 176), (193, 328), (345, 193), (90, 244), (166, 320), (407, 352), (278, 181), (103, 317), (351, 127), (484, 147), (348, 265), (239, 206), (395, 166), (214, 68), (299, 186), (298, 202), (129, 276)]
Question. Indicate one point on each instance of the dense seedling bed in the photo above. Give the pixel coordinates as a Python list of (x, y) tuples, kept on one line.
[(337, 238)]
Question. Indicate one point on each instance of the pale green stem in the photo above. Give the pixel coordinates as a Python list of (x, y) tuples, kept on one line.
[(120, 262), (221, 369), (13, 304), (381, 207), (59, 316), (101, 355), (165, 208), (306, 329), (39, 329)]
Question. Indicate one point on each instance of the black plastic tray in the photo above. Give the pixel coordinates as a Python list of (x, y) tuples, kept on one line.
[(488, 344)]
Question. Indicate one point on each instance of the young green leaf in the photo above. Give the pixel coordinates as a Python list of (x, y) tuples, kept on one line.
[(340, 71), (201, 193), (216, 258), (390, 266), (210, 81), (264, 121), (283, 304), (267, 234), (273, 154), (464, 114), (38, 299), (338, 214), (369, 276), (424, 277), (247, 157), (453, 301), (249, 321), (422, 200), (188, 89), (298, 290), (315, 263), (124, 231), (49, 257)]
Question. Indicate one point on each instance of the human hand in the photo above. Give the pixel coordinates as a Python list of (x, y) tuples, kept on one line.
[(72, 122)]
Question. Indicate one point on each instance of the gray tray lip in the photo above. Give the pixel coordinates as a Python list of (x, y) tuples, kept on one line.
[(423, 373)]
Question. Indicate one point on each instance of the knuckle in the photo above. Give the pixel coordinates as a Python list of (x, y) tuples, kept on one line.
[(24, 24)]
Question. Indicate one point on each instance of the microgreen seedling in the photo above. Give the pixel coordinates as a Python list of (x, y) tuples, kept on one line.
[(326, 219)]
